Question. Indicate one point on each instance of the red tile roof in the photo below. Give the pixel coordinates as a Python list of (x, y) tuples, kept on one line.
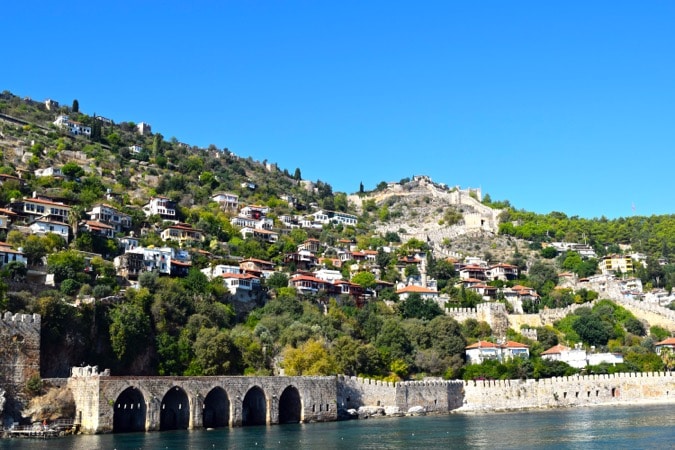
[(482, 344), (416, 289), (668, 341), (555, 350)]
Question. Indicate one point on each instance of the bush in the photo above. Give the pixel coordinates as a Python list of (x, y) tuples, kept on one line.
[(70, 286), (34, 385), (101, 291)]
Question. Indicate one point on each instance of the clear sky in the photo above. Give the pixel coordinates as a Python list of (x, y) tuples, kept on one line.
[(555, 106)]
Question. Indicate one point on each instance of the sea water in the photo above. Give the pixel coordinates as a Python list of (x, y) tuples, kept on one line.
[(625, 427)]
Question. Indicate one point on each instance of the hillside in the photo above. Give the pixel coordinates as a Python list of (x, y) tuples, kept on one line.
[(157, 257)]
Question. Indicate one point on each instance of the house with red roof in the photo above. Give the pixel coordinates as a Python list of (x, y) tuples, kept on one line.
[(484, 350), (668, 343), (241, 285), (424, 292)]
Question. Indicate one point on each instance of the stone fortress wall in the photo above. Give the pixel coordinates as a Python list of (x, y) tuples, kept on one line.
[(502, 395), (19, 357)]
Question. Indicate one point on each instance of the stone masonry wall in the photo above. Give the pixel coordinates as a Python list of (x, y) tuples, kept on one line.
[(95, 396), (629, 388), (432, 395), (19, 358)]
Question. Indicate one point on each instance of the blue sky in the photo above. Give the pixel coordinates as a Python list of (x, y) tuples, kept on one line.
[(555, 106)]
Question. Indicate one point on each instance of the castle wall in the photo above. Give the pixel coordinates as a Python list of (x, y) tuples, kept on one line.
[(432, 395), (626, 388), (19, 358)]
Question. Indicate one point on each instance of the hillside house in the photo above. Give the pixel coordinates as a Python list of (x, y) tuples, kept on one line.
[(578, 357), (219, 270), (307, 284), (474, 272), (226, 200), (483, 351), (424, 292), (335, 217), (74, 128), (182, 233), (162, 207), (668, 343), (98, 228), (611, 264), (503, 272), (8, 255), (41, 227), (49, 172), (109, 215), (241, 285), (39, 208), (303, 260), (257, 267), (260, 234), (7, 217)]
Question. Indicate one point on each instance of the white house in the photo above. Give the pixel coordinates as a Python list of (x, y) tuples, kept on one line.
[(220, 270), (161, 206), (110, 216), (74, 128), (35, 208), (49, 172), (424, 292), (260, 233), (240, 283), (8, 255), (483, 351), (668, 343), (335, 217), (226, 200), (578, 358), (44, 226)]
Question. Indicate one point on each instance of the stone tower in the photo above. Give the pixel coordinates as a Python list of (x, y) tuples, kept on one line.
[(19, 359)]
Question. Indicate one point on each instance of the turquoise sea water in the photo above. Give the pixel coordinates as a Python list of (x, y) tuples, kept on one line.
[(636, 427)]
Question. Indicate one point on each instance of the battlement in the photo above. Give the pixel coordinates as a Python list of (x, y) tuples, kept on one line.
[(88, 371), (464, 311), (8, 317)]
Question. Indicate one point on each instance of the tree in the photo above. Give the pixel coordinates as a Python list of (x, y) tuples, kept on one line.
[(297, 175), (593, 330), (311, 358), (76, 106), (277, 280), (129, 330), (66, 264), (215, 353), (416, 307), (72, 169), (364, 279)]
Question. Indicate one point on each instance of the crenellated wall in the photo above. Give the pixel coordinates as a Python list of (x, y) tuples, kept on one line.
[(568, 391), (432, 395)]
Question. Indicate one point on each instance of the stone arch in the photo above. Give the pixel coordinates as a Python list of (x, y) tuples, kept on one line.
[(254, 407), (290, 406), (175, 410), (129, 411), (216, 409)]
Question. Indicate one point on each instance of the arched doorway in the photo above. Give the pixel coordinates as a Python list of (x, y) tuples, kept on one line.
[(129, 411), (175, 410), (254, 409), (216, 409), (290, 406)]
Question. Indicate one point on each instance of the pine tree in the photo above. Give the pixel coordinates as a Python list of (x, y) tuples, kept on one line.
[(76, 106)]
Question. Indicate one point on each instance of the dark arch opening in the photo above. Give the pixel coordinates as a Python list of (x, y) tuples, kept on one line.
[(175, 410), (129, 411), (216, 409), (290, 406), (254, 409)]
